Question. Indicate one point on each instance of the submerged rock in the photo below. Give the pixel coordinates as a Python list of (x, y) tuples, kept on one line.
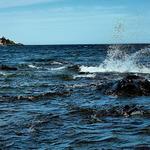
[(8, 68), (131, 85), (132, 110), (36, 97), (75, 68), (126, 111), (110, 111)]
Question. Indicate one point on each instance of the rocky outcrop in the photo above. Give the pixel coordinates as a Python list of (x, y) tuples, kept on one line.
[(131, 85), (4, 41)]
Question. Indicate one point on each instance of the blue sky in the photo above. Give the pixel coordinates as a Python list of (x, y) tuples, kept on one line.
[(75, 21)]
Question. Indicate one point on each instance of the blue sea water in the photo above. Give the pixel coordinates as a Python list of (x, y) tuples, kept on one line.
[(51, 101)]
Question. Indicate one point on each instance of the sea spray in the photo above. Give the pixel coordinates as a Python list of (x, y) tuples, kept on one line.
[(118, 60)]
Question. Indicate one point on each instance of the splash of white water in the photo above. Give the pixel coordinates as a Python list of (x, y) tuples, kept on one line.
[(120, 61)]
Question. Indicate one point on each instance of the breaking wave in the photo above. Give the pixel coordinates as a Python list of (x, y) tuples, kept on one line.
[(118, 60)]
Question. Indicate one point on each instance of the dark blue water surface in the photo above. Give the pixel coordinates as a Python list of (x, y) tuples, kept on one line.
[(51, 101)]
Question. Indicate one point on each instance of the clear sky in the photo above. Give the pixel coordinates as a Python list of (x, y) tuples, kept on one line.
[(75, 21)]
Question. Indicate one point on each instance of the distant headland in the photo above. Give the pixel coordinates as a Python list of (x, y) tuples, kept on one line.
[(4, 41)]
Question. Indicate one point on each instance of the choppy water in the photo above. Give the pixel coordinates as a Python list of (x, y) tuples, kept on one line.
[(52, 101)]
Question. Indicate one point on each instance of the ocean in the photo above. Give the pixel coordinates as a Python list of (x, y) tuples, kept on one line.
[(49, 97)]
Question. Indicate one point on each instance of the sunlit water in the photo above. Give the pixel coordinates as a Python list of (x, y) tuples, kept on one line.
[(51, 101)]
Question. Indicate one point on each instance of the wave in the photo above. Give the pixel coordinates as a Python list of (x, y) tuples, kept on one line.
[(51, 94), (85, 76), (121, 61), (47, 61), (56, 63), (33, 66), (58, 68), (2, 73)]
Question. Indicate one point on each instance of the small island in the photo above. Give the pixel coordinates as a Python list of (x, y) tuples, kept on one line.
[(4, 41)]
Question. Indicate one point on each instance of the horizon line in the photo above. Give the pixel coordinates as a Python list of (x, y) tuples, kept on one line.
[(143, 43)]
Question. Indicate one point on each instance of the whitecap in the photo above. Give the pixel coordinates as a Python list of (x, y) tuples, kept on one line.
[(58, 68), (32, 66), (56, 63), (2, 73), (85, 76)]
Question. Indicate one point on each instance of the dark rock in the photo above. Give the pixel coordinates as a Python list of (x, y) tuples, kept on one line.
[(7, 68), (126, 111), (4, 41), (75, 68), (131, 85), (65, 77), (131, 110), (112, 111)]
